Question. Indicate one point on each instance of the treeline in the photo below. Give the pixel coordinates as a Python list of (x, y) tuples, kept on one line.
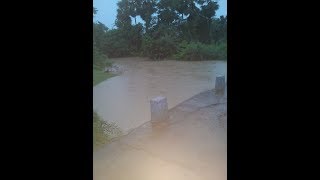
[(179, 29)]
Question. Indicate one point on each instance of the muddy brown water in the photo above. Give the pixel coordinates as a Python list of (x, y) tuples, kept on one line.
[(125, 99)]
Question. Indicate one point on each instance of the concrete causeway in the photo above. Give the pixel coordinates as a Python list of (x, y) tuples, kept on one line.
[(190, 144)]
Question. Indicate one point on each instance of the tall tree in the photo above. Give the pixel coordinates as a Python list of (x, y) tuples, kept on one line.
[(219, 29), (148, 7), (135, 6), (167, 23), (99, 35), (207, 12), (123, 19), (167, 12), (200, 14)]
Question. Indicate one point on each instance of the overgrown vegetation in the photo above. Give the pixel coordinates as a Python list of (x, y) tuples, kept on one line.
[(181, 29), (103, 131), (100, 59), (99, 63), (99, 76), (200, 51)]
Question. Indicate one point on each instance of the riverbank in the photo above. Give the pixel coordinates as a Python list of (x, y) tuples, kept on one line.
[(99, 75)]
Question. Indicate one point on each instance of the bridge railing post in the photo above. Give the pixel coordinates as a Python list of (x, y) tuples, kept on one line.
[(159, 110), (220, 83)]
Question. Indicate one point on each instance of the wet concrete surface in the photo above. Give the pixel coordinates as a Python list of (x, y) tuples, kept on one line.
[(191, 144)]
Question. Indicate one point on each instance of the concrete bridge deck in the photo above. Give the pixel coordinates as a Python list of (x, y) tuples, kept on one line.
[(191, 144)]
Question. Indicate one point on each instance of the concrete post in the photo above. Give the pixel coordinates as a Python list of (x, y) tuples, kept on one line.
[(159, 110), (159, 113), (220, 83)]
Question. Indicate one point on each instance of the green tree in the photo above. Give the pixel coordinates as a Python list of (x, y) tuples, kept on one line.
[(123, 19), (134, 8), (167, 14), (147, 8), (99, 44), (219, 29), (167, 25), (99, 35), (207, 12)]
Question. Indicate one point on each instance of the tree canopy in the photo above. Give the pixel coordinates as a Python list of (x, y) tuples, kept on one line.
[(170, 29)]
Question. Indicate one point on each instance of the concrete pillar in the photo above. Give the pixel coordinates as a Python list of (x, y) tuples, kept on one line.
[(220, 83), (159, 110)]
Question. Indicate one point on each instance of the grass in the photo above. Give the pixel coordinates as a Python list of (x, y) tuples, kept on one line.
[(102, 130), (99, 75), (99, 137)]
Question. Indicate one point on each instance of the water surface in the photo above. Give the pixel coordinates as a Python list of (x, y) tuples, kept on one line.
[(125, 99)]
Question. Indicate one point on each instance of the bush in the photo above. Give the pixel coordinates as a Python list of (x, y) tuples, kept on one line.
[(115, 44), (99, 60), (146, 45), (221, 50), (123, 42), (200, 51), (99, 137), (193, 51), (103, 131), (160, 48)]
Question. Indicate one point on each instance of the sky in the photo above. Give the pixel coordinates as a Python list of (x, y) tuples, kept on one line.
[(107, 11)]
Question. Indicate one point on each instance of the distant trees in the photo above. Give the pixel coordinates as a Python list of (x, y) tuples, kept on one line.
[(170, 27), (100, 32)]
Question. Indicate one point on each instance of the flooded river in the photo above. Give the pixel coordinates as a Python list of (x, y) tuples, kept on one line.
[(125, 99)]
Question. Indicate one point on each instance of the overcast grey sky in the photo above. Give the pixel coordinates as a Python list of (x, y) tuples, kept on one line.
[(107, 11)]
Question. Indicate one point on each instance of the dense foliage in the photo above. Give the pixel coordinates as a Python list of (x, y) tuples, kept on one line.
[(182, 29), (200, 51), (99, 44)]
